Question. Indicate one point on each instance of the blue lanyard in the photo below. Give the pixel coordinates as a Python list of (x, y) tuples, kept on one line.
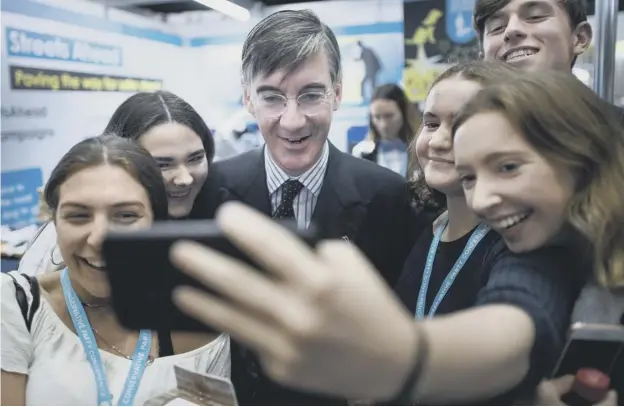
[(85, 333), (478, 234)]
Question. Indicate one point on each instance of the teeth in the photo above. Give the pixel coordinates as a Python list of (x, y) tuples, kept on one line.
[(511, 221), (296, 140), (520, 53), (96, 264)]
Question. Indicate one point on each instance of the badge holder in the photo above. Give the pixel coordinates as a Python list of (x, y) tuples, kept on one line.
[(197, 389)]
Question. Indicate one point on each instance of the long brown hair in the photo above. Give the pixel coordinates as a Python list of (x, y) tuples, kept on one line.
[(485, 73), (409, 112), (575, 130), (110, 149)]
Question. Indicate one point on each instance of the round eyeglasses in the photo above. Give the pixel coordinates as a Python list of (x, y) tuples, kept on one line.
[(309, 103)]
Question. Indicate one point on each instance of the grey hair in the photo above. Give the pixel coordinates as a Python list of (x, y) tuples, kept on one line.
[(285, 40)]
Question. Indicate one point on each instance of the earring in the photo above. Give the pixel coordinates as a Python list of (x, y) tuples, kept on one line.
[(60, 262)]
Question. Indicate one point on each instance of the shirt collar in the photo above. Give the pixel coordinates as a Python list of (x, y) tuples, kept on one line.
[(312, 179)]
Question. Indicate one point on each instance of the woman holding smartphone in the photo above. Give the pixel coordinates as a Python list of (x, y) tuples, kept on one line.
[(549, 127)]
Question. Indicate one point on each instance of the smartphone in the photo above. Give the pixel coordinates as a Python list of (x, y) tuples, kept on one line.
[(142, 277), (595, 346)]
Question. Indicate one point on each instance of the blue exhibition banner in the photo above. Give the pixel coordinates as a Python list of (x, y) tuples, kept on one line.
[(20, 199)]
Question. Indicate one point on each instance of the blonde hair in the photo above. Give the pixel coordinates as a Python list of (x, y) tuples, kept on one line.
[(568, 124)]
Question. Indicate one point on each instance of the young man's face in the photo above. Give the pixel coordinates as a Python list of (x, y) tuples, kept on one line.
[(534, 35)]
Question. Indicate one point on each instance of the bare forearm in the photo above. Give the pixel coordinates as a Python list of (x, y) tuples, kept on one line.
[(475, 354)]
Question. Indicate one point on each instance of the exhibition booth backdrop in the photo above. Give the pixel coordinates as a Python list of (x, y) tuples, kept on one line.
[(67, 64)]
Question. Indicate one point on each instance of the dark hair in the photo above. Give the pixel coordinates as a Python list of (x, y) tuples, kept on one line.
[(576, 131), (285, 40), (142, 111), (485, 9), (411, 121), (481, 72), (110, 149)]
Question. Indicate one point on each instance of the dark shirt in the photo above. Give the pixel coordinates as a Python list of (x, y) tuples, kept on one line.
[(463, 292), (542, 283)]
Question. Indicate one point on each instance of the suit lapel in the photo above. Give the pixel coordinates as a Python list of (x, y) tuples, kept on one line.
[(339, 209), (253, 189), (258, 194)]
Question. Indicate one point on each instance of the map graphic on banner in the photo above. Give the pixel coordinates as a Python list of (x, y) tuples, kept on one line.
[(20, 199)]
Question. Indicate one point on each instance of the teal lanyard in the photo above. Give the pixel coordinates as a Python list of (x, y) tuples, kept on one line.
[(85, 333), (478, 234)]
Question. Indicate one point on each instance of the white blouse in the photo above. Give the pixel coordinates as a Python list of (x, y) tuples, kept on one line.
[(58, 372)]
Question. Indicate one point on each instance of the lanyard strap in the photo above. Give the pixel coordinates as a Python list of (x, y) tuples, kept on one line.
[(478, 234), (85, 333)]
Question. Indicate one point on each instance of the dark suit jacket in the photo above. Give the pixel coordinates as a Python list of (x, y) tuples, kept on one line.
[(360, 200)]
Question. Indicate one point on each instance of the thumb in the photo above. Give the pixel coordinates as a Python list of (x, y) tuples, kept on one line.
[(562, 384)]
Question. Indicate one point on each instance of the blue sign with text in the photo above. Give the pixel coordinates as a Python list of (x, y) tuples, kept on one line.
[(459, 21), (20, 199), (30, 44)]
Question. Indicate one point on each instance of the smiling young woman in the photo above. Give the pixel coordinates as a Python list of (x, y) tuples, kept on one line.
[(69, 349)]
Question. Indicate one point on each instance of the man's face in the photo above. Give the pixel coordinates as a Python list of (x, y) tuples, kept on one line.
[(294, 112), (534, 35)]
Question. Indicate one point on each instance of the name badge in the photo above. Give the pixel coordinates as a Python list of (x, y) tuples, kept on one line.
[(197, 389)]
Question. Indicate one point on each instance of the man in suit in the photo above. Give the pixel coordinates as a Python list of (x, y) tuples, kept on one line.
[(291, 74)]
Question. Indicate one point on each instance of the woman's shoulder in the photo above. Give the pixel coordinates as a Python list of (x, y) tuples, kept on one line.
[(548, 269), (26, 300), (548, 257), (20, 301)]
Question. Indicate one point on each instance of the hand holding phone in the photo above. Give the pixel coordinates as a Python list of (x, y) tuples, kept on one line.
[(142, 277), (594, 355)]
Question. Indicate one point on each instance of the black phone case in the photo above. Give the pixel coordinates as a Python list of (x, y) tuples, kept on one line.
[(142, 277)]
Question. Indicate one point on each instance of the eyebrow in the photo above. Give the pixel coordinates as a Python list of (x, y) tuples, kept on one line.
[(431, 115), (194, 154), (491, 157), (523, 7), (309, 86), (78, 205), (536, 3)]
